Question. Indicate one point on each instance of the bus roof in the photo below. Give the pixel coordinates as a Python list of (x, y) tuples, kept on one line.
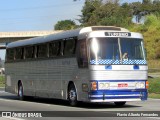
[(47, 38), (63, 35)]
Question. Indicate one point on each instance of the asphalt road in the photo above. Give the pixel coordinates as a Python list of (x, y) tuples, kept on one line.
[(59, 109)]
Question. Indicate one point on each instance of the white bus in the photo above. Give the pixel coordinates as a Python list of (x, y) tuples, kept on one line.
[(91, 64)]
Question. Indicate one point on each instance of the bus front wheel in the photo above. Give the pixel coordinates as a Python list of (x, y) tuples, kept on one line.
[(119, 103), (72, 95)]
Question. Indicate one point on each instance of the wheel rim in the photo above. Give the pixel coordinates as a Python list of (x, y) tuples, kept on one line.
[(72, 95), (20, 91)]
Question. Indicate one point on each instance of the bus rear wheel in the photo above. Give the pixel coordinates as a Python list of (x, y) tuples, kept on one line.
[(72, 95), (20, 91), (119, 103)]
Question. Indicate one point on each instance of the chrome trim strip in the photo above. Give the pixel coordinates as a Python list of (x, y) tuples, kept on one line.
[(114, 95), (114, 100)]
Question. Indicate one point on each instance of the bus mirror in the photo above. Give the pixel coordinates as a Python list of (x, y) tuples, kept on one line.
[(145, 50)]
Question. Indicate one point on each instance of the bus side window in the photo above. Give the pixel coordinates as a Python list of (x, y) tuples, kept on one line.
[(42, 50), (19, 53), (29, 52), (10, 54), (54, 48), (82, 54), (70, 46)]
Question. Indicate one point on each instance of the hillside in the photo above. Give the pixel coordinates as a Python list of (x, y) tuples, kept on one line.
[(151, 32)]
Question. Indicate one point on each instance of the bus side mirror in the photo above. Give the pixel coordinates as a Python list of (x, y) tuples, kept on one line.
[(145, 50)]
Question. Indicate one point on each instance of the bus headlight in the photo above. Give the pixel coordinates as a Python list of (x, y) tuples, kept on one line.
[(140, 85), (103, 85)]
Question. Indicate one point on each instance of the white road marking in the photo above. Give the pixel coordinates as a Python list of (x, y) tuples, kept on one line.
[(13, 118), (2, 91)]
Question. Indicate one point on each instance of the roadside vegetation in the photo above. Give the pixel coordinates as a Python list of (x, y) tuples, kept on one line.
[(151, 33), (154, 66), (2, 81), (154, 88)]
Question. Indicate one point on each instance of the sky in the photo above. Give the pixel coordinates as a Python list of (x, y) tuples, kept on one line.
[(33, 15), (37, 15)]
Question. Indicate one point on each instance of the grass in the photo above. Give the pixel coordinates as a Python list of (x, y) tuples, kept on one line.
[(154, 88), (154, 83), (154, 66), (2, 81), (154, 95)]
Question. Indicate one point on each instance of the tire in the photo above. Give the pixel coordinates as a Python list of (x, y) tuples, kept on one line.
[(119, 103), (20, 91), (72, 95)]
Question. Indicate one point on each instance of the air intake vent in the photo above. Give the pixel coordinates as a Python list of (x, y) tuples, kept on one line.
[(105, 28)]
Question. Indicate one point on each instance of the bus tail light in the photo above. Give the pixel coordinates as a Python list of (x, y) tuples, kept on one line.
[(93, 85), (147, 84)]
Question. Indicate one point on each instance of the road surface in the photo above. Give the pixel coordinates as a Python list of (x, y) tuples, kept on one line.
[(59, 109)]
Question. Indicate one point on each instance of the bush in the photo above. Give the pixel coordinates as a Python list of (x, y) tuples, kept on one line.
[(151, 32), (2, 81), (154, 85)]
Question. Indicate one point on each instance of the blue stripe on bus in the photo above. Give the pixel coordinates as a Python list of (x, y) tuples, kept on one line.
[(119, 97), (117, 92), (142, 94)]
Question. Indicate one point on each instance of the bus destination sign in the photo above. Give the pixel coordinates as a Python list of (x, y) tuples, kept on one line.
[(118, 34)]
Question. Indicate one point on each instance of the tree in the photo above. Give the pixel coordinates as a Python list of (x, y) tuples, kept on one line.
[(151, 33), (88, 10), (106, 12), (65, 25)]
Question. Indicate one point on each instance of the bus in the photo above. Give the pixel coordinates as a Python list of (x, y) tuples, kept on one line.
[(92, 64)]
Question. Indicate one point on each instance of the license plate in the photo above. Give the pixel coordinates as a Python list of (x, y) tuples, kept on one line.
[(123, 85)]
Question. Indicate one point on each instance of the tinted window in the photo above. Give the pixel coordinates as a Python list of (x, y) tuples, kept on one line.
[(69, 47), (42, 51), (82, 54), (29, 52), (10, 54), (54, 48), (19, 53)]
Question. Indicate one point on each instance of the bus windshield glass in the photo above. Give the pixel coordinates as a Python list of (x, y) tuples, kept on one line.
[(116, 49)]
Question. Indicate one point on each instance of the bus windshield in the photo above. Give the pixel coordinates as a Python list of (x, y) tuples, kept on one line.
[(116, 49)]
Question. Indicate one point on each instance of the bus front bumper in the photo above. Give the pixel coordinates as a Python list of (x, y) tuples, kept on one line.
[(118, 96)]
